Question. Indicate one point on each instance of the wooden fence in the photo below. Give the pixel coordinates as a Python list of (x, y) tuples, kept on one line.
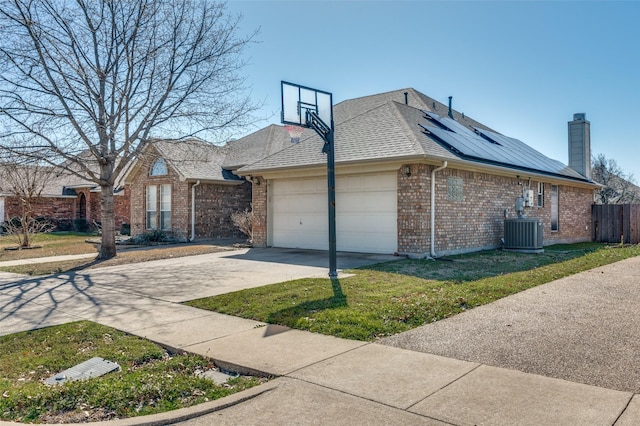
[(615, 223)]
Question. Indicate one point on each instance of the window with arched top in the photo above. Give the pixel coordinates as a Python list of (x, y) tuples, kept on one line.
[(158, 168)]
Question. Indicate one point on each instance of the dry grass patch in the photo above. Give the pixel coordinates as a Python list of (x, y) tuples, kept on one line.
[(125, 256), (50, 244)]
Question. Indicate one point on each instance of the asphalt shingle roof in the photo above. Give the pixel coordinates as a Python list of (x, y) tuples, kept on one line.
[(258, 145), (49, 181), (382, 127), (193, 159)]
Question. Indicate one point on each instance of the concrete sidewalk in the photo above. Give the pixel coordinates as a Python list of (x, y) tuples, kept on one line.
[(35, 260), (321, 379)]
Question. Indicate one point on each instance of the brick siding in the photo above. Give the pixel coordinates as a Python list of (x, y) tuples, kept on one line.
[(214, 205), (259, 204), (54, 208), (68, 208), (476, 221), (473, 220)]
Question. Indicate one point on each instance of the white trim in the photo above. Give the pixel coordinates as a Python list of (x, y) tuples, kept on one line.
[(364, 166)]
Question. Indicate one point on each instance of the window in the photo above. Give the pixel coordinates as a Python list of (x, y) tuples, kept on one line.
[(159, 168), (152, 207), (161, 204), (165, 206), (540, 194), (554, 208)]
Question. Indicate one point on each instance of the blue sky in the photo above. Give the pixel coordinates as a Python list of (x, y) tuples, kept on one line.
[(522, 68)]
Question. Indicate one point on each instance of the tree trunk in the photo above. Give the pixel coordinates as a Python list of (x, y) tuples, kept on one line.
[(108, 244), (25, 222)]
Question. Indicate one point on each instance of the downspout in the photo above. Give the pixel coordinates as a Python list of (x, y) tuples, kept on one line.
[(193, 210), (433, 207)]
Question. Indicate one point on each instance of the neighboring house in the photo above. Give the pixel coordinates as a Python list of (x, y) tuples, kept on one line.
[(188, 189), (68, 201), (391, 150)]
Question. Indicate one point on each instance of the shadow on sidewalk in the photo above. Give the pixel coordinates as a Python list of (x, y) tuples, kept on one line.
[(32, 303)]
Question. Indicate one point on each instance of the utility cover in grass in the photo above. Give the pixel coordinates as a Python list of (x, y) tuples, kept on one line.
[(94, 367)]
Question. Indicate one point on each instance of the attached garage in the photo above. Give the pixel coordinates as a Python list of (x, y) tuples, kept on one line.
[(366, 213)]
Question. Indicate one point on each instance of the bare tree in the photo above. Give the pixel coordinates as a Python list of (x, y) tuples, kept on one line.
[(93, 80), (619, 187), (24, 184)]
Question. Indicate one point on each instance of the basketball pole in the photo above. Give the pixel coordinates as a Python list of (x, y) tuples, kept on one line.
[(331, 184), (326, 133)]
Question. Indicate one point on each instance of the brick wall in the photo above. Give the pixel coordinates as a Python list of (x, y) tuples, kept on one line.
[(473, 219), (214, 206), (179, 199), (414, 209), (56, 208), (259, 205), (69, 208), (122, 207)]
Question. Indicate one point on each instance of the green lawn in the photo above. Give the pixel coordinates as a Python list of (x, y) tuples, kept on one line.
[(389, 298), (151, 380)]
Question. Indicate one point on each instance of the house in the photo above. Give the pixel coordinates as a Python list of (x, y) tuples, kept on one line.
[(69, 202), (188, 188), (401, 159)]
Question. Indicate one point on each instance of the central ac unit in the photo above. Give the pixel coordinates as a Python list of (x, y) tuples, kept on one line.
[(523, 234)]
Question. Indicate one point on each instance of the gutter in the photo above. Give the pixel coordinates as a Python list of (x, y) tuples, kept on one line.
[(433, 207), (193, 210)]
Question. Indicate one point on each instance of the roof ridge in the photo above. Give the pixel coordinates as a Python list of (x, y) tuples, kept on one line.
[(375, 94), (409, 133)]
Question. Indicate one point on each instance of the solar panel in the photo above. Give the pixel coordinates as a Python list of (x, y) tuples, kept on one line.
[(491, 147), (450, 124), (528, 156)]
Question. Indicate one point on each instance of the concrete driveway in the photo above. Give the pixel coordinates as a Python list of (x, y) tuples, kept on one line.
[(27, 303), (584, 328)]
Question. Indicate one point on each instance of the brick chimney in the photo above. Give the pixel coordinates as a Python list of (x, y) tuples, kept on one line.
[(580, 144)]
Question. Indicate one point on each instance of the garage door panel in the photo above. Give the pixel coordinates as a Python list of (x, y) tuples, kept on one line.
[(304, 203), (366, 213)]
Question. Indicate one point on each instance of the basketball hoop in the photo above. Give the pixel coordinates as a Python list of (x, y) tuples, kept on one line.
[(294, 132)]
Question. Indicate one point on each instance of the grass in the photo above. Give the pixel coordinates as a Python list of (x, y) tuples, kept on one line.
[(151, 380), (48, 244), (385, 299)]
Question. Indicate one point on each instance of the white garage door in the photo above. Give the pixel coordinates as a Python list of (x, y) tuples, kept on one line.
[(366, 213)]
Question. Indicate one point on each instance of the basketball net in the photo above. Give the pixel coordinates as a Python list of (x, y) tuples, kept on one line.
[(294, 132)]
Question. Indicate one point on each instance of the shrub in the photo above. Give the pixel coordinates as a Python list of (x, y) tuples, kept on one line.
[(81, 225), (125, 229), (243, 220)]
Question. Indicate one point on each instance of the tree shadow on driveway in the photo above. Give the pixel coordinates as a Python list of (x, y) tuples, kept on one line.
[(30, 303)]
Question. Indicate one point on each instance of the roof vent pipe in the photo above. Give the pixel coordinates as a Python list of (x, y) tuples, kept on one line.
[(450, 110), (406, 98)]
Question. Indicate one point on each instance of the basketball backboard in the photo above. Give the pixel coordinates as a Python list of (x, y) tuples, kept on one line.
[(297, 100)]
